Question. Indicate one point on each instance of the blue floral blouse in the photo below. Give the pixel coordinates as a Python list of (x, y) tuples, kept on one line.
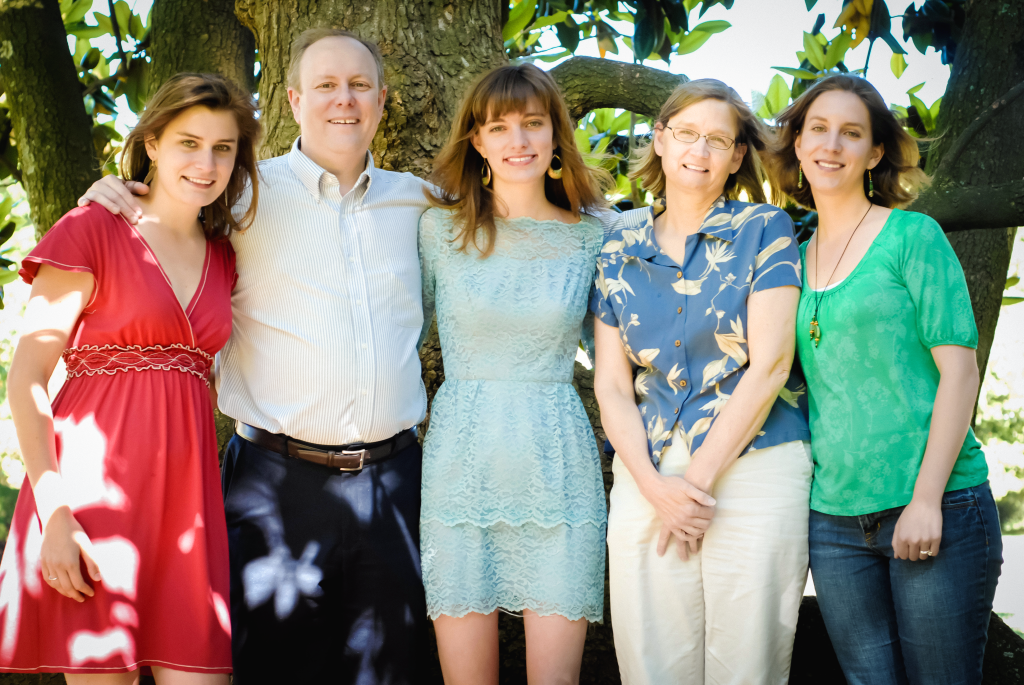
[(684, 328)]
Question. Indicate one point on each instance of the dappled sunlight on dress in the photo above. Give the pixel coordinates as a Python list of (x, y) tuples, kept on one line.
[(137, 447)]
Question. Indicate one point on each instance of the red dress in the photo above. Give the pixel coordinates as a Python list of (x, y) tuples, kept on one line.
[(137, 449)]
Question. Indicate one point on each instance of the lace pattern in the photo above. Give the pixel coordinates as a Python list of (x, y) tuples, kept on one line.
[(90, 360)]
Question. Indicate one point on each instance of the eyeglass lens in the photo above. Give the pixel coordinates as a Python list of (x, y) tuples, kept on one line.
[(685, 135)]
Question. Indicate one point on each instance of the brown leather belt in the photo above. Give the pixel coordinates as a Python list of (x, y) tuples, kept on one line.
[(341, 457)]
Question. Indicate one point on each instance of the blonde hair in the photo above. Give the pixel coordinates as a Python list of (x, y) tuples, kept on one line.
[(458, 167), (896, 177), (310, 36), (751, 176)]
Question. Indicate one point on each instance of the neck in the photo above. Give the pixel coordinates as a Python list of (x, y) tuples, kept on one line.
[(171, 215), (839, 214), (512, 201), (685, 209), (346, 168)]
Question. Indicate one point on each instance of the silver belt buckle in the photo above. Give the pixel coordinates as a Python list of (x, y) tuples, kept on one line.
[(352, 453)]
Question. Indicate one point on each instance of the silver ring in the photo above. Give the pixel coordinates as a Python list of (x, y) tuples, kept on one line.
[(52, 578)]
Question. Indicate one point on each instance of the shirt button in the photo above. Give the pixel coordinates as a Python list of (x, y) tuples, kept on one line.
[(682, 384), (679, 310), (677, 343), (363, 391), (364, 346), (679, 274), (359, 302), (675, 411)]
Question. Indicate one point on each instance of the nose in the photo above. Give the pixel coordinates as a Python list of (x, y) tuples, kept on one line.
[(344, 96), (204, 160), (834, 142), (518, 136)]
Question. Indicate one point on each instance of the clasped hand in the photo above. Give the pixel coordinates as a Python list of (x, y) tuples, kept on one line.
[(685, 512), (64, 542)]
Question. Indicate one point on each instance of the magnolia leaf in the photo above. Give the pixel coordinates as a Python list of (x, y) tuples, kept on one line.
[(692, 41), (777, 96), (85, 31), (1010, 282), (8, 203), (923, 112), (837, 50), (815, 55), (8, 277), (898, 64), (582, 141), (1006, 300), (124, 17), (76, 11), (802, 74), (518, 17), (916, 88), (548, 20), (712, 26)]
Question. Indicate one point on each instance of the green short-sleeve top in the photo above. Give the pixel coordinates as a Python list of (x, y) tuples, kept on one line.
[(871, 381)]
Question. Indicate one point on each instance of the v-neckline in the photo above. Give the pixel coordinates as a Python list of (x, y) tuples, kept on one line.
[(185, 309)]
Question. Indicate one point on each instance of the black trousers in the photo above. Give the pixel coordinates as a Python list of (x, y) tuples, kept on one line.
[(325, 569)]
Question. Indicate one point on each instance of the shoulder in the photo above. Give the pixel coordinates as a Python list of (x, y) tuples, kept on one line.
[(272, 166), (628, 232), (84, 224), (434, 223), (916, 224), (401, 185), (594, 226), (909, 233)]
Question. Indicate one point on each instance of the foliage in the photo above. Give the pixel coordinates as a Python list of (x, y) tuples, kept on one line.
[(9, 223), (938, 24)]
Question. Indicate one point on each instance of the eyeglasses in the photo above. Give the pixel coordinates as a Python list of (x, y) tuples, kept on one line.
[(685, 135)]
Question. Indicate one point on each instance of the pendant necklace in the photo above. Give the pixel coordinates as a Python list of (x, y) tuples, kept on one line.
[(819, 294)]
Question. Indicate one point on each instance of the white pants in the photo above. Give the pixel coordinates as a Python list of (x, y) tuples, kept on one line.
[(728, 615)]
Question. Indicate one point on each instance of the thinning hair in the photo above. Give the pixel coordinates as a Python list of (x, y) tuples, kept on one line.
[(213, 91), (311, 36), (751, 131), (458, 167)]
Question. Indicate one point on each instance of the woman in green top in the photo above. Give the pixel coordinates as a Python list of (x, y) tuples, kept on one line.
[(886, 338)]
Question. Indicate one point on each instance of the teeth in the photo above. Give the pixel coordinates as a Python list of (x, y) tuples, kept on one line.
[(200, 181), (520, 159), (695, 168), (344, 121), (830, 165)]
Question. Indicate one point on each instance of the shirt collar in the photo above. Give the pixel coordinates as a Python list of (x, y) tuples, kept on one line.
[(717, 223), (316, 179)]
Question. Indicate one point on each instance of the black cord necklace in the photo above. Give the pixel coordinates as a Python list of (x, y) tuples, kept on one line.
[(819, 294)]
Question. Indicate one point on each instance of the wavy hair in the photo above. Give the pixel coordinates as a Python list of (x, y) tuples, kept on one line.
[(896, 177), (217, 93), (458, 167), (750, 177)]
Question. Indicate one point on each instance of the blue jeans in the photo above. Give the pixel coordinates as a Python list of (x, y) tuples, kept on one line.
[(894, 621)]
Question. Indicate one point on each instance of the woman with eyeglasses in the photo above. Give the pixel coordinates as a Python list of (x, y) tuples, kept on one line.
[(696, 309), (905, 547)]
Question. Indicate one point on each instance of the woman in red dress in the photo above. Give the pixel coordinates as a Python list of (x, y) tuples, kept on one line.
[(117, 556)]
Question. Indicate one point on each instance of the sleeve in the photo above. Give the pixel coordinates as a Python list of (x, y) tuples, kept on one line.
[(600, 300), (70, 245), (936, 284), (427, 236), (778, 256)]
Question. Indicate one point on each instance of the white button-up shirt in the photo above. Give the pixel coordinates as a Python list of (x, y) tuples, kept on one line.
[(328, 307)]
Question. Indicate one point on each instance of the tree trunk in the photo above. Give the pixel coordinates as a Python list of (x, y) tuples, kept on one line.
[(989, 64), (199, 36), (52, 130), (432, 51)]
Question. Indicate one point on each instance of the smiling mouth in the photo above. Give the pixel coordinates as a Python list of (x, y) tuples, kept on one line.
[(829, 165), (694, 167), (343, 121), (520, 160), (198, 181)]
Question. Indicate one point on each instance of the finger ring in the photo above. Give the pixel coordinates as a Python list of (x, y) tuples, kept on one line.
[(926, 551), (52, 578)]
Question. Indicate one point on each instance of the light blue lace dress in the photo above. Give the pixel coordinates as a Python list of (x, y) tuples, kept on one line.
[(513, 509)]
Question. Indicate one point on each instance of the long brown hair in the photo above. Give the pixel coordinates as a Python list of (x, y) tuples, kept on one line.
[(752, 132), (458, 167), (896, 177), (217, 93)]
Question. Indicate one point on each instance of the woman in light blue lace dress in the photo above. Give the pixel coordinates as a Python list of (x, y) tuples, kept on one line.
[(513, 514)]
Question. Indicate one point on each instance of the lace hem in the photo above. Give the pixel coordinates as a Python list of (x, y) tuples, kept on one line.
[(89, 360), (593, 613), (466, 518)]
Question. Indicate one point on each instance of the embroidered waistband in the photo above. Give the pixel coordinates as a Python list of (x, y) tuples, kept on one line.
[(90, 360)]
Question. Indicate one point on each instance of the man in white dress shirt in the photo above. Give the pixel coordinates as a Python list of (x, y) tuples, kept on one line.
[(322, 480)]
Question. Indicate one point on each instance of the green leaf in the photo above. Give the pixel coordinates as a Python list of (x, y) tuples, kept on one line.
[(582, 140), (923, 112), (518, 18), (602, 145), (603, 118), (8, 203), (712, 26), (815, 55), (934, 110), (649, 32), (798, 73), (899, 110), (1006, 300), (10, 276), (621, 123), (549, 20), (916, 88), (7, 231), (837, 50), (568, 33), (692, 41), (135, 84), (83, 31), (137, 28), (1012, 281), (898, 64), (103, 21), (555, 57), (76, 11), (810, 4), (777, 96)]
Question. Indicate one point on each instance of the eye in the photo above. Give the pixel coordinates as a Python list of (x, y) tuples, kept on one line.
[(361, 84), (222, 148), (853, 134), (498, 128), (535, 123), (188, 143), (325, 86), (818, 128)]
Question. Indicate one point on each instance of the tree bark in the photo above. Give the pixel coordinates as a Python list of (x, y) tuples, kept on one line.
[(590, 83), (432, 51), (199, 36), (52, 130), (989, 64)]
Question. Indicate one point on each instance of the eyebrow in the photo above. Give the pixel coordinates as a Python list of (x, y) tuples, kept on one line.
[(847, 123), (185, 134), (713, 132), (524, 115)]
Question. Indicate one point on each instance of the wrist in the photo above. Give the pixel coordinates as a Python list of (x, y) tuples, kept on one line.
[(700, 476)]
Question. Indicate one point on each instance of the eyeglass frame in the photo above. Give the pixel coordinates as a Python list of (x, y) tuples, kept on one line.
[(699, 136)]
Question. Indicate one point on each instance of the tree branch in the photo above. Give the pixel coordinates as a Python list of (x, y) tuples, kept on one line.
[(117, 35), (102, 83), (961, 208), (590, 83), (961, 143)]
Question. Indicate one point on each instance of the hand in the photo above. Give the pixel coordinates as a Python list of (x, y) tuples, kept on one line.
[(685, 512), (918, 531), (64, 541), (116, 196)]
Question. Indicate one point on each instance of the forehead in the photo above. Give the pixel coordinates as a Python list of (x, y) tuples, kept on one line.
[(708, 114), (204, 122), (516, 101), (840, 104), (339, 57)]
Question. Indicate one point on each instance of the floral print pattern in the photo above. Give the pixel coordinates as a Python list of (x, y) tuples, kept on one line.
[(684, 326)]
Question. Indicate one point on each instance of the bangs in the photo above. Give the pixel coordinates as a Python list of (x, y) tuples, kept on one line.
[(511, 91)]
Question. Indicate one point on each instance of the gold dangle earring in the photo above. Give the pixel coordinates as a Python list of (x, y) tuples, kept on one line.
[(871, 185), (800, 178), (151, 173), (485, 177), (552, 171)]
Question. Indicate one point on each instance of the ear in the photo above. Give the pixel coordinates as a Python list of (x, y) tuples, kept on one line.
[(797, 142), (151, 147), (381, 99), (294, 99), (877, 152), (658, 139), (477, 143), (739, 152)]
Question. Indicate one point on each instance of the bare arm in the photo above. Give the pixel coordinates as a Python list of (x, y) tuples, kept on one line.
[(116, 196), (57, 300), (684, 510), (919, 528), (771, 331)]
